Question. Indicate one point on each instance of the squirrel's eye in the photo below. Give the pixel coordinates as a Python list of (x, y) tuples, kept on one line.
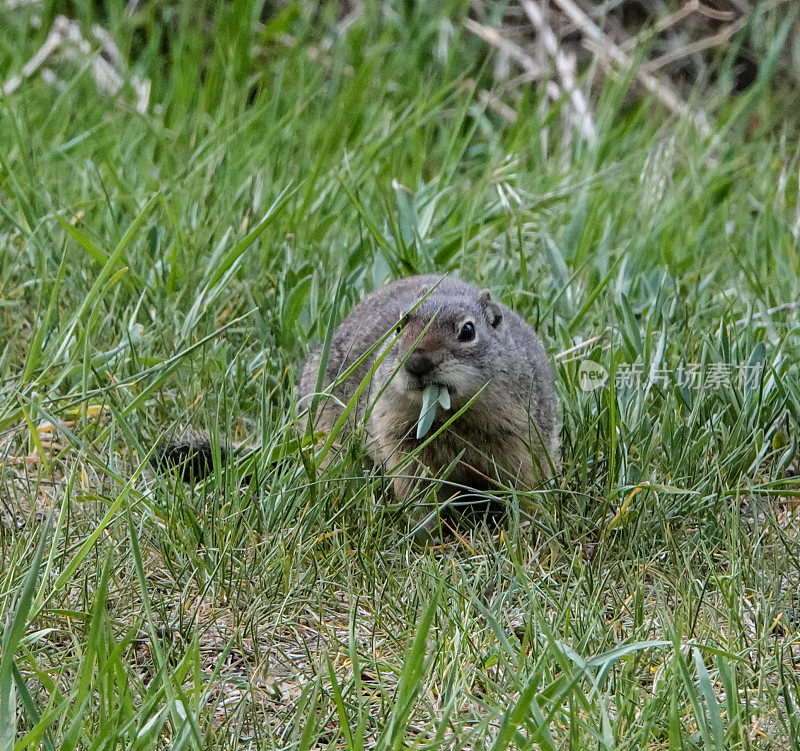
[(467, 333)]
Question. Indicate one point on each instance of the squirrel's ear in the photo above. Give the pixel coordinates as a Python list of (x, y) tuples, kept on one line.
[(490, 308)]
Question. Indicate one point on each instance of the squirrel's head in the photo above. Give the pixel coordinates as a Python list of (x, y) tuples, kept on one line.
[(451, 342)]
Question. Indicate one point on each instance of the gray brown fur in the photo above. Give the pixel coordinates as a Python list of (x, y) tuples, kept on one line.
[(510, 431)]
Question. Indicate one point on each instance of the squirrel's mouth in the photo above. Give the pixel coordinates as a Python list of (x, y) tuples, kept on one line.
[(418, 385)]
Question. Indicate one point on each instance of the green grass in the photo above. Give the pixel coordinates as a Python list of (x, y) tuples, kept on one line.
[(171, 268)]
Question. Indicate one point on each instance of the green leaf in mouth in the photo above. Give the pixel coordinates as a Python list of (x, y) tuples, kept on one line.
[(433, 395)]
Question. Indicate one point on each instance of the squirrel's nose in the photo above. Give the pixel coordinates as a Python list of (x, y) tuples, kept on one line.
[(418, 363)]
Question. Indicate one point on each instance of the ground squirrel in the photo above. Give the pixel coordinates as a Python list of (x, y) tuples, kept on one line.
[(450, 334)]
